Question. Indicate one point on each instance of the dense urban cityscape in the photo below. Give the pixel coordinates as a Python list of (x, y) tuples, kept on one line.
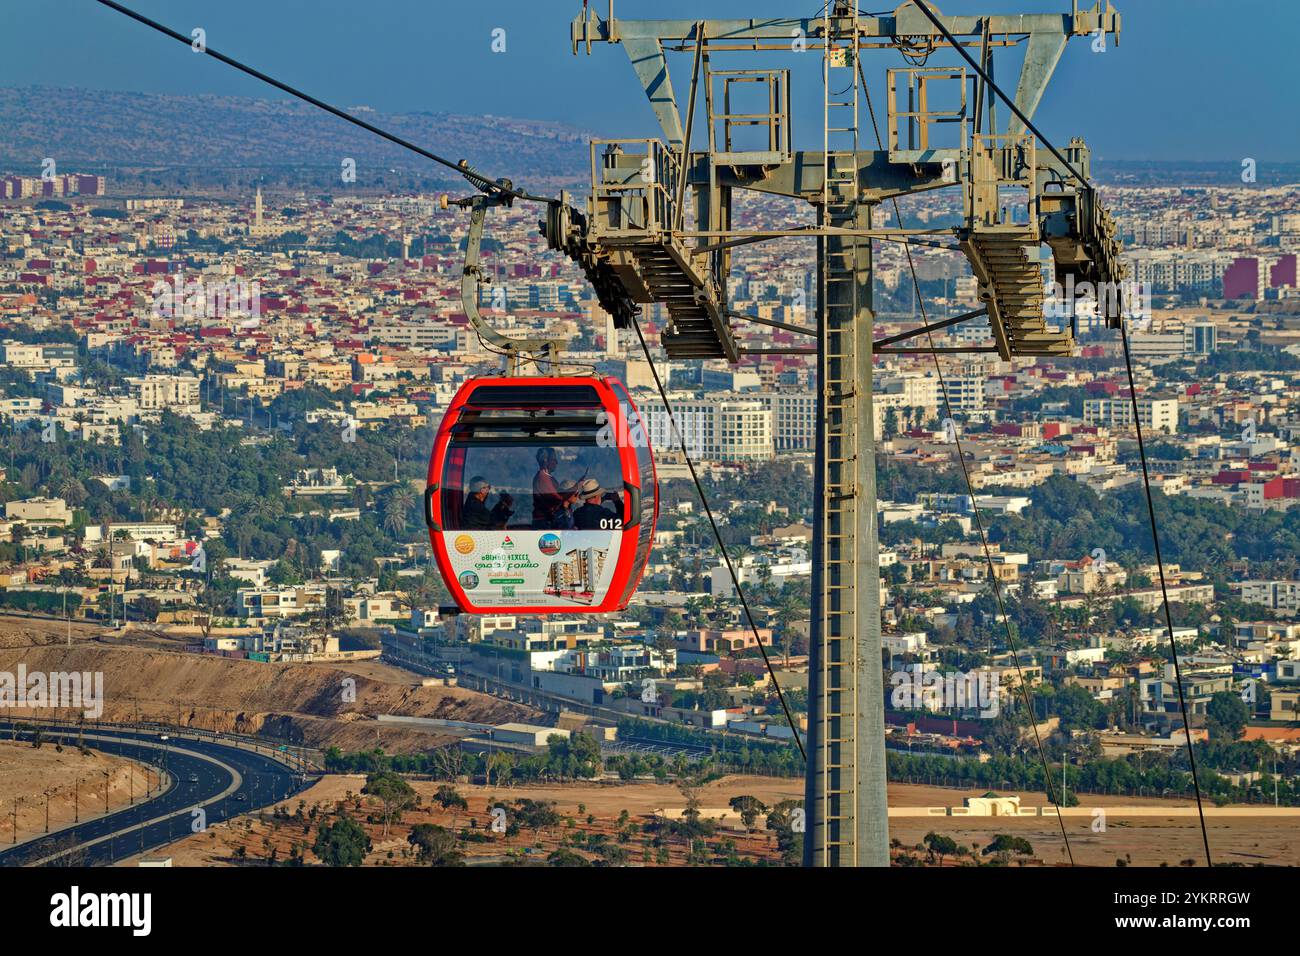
[(247, 617)]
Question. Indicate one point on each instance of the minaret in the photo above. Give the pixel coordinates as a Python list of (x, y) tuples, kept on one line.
[(257, 209), (611, 337)]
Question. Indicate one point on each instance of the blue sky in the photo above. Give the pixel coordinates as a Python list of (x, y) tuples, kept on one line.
[(1201, 80)]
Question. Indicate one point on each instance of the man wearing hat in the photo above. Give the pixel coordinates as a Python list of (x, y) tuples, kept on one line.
[(591, 515), (562, 517), (476, 516)]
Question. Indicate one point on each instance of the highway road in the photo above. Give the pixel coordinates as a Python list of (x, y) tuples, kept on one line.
[(211, 782)]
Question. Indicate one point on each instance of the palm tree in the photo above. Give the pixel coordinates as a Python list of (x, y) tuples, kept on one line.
[(693, 608), (395, 513), (72, 491), (243, 538), (786, 614), (397, 509)]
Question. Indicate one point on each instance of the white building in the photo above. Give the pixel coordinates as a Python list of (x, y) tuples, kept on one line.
[(721, 428), (160, 531), (155, 392), (275, 602), (39, 511), (1157, 414), (794, 420), (1274, 595)]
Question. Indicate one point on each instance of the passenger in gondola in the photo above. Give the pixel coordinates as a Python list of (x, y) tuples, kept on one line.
[(551, 499), (592, 515), (546, 490), (613, 500), (562, 519), (476, 516)]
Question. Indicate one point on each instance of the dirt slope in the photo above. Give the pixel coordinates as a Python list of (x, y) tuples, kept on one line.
[(303, 702), (75, 781)]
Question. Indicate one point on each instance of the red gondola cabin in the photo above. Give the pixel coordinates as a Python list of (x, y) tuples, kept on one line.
[(542, 496)]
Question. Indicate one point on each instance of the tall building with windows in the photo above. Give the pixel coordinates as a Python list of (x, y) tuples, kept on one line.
[(794, 420), (968, 390), (1200, 338), (715, 428), (154, 392), (1156, 414)]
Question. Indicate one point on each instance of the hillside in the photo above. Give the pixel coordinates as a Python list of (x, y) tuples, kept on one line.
[(91, 130), (302, 702), (26, 772)]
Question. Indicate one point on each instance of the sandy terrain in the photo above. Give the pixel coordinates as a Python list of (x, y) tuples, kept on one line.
[(1149, 841), (27, 772), (375, 670), (257, 832), (1139, 841), (17, 630)]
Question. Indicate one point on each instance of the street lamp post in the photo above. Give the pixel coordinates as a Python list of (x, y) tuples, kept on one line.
[(14, 814)]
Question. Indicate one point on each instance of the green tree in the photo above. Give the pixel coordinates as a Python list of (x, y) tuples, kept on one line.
[(566, 857), (789, 839), (613, 855), (395, 795), (749, 808), (435, 845), (1226, 715), (341, 843), (449, 798), (941, 845), (573, 757), (1004, 845)]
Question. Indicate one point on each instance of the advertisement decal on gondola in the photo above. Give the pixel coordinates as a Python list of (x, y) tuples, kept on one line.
[(551, 569)]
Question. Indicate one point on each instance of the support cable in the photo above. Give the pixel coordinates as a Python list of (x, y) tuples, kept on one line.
[(480, 181), (717, 534), (1146, 479), (979, 521), (1164, 591)]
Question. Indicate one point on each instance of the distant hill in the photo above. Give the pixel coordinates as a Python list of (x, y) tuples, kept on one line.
[(82, 129), (131, 133), (1188, 173)]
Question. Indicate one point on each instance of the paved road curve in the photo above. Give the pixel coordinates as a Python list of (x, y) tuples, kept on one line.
[(218, 779)]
